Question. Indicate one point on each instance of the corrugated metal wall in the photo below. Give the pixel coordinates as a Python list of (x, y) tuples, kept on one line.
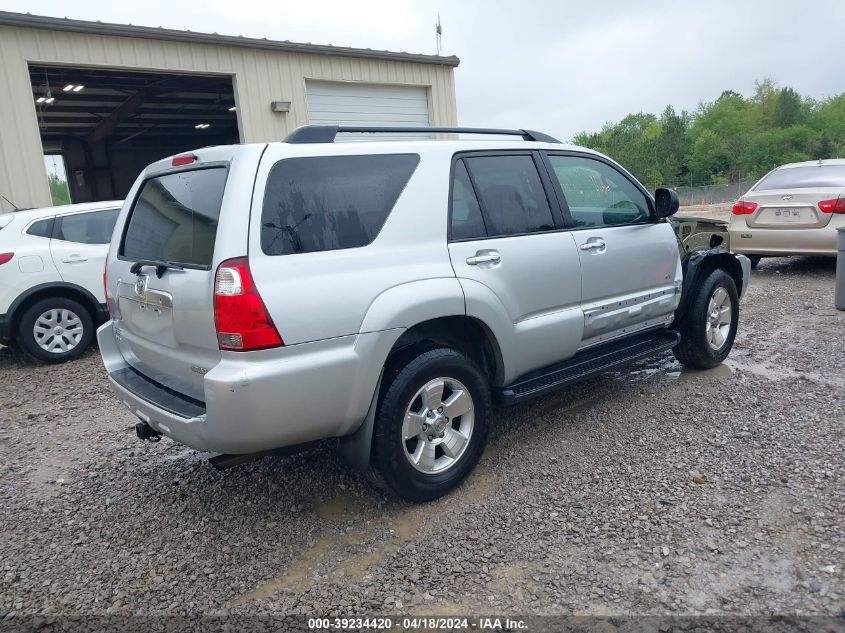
[(260, 76)]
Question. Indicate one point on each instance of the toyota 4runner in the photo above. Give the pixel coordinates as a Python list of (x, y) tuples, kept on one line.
[(390, 293)]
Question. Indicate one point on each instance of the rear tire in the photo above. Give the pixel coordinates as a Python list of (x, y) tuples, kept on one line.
[(55, 330), (709, 326), (432, 425), (755, 259)]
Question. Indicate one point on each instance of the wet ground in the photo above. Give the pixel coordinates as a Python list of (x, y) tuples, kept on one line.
[(653, 490)]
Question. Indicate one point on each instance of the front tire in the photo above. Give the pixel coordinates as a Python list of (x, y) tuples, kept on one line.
[(709, 326), (432, 425), (55, 330)]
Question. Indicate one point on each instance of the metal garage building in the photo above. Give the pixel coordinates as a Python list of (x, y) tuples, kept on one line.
[(112, 98)]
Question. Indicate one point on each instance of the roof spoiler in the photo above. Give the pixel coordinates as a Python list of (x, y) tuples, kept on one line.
[(327, 133)]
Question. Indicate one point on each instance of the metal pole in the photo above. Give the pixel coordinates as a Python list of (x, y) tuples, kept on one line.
[(839, 295)]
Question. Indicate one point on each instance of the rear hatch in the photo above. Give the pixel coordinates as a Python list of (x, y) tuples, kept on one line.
[(188, 219)]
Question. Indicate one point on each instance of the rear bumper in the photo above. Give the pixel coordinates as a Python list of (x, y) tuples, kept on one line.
[(765, 241), (260, 400)]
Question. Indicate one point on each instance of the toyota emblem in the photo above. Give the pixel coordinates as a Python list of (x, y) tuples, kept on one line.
[(141, 285)]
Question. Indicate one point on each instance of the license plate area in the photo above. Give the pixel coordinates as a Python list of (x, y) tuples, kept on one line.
[(147, 314), (786, 216)]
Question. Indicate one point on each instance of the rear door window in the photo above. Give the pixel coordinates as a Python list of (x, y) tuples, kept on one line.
[(326, 203), (511, 193), (86, 228), (174, 218), (467, 222)]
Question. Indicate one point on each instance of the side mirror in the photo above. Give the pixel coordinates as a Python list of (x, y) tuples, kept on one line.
[(666, 202)]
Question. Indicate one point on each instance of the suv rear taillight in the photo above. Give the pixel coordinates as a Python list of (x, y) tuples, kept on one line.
[(743, 208), (243, 323), (833, 206), (5, 257)]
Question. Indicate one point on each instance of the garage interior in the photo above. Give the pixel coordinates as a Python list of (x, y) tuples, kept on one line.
[(109, 124)]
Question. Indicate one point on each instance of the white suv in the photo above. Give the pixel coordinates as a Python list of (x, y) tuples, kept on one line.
[(51, 277)]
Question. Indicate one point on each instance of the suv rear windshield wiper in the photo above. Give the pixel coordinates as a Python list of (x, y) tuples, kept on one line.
[(160, 266)]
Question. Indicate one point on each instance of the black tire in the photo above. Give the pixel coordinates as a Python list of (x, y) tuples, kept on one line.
[(26, 336), (694, 350), (390, 461), (755, 259)]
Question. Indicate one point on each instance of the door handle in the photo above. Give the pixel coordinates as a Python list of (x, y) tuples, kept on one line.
[(595, 245), (490, 257), (75, 259)]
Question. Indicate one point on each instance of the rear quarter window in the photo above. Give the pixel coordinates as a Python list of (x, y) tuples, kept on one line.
[(174, 218), (42, 228), (330, 202)]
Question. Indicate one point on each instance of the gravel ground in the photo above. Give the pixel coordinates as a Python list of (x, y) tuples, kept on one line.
[(650, 491)]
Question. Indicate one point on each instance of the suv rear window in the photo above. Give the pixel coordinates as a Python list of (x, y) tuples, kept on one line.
[(330, 202), (822, 176), (174, 218)]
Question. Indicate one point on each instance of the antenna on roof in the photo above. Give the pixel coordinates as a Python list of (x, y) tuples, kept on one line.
[(14, 206), (438, 30)]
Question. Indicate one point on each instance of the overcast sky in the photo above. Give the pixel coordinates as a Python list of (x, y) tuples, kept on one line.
[(560, 67)]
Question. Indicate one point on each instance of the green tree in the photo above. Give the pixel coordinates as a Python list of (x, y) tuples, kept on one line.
[(727, 139), (709, 158), (789, 110), (58, 190)]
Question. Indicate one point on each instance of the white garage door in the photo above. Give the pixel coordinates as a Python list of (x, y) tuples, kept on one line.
[(365, 104)]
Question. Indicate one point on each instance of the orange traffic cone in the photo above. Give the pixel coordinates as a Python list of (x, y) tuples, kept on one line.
[(702, 203)]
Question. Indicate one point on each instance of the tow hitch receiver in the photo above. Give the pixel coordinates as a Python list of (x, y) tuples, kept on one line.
[(145, 432)]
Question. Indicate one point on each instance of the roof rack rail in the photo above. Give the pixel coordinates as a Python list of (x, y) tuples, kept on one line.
[(327, 133)]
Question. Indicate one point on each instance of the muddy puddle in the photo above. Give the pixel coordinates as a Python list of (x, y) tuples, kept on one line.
[(672, 369)]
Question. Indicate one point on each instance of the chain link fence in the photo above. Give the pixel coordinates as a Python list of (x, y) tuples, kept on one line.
[(711, 194)]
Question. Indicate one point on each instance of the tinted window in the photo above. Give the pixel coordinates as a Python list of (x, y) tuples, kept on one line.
[(174, 218), (330, 202), (42, 228), (466, 214), (87, 228), (803, 177), (597, 194), (511, 194)]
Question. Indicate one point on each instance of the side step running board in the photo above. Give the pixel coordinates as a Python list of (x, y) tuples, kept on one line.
[(588, 363)]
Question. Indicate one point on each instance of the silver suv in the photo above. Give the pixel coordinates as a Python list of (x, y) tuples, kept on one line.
[(389, 293)]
